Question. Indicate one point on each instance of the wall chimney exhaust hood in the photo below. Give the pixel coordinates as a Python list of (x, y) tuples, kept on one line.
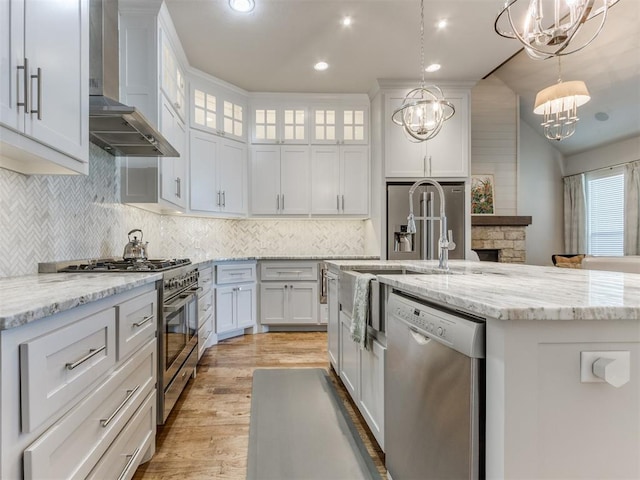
[(118, 129)]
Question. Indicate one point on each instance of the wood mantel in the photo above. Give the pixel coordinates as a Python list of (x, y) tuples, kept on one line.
[(500, 221)]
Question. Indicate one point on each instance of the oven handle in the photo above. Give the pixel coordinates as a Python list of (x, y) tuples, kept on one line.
[(180, 303)]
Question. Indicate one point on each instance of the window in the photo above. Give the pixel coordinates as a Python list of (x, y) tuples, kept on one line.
[(605, 212)]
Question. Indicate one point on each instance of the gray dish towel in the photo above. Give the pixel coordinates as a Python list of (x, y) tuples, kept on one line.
[(360, 312)]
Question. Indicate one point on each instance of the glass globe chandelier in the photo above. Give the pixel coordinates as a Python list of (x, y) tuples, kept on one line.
[(548, 28), (424, 109), (559, 106)]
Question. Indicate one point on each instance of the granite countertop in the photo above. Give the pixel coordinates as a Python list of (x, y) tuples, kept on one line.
[(516, 292), (31, 297)]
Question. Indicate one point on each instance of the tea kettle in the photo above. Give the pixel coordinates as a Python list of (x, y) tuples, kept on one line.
[(135, 249)]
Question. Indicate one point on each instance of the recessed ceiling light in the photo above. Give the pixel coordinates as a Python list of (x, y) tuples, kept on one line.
[(346, 21), (434, 67), (242, 6), (320, 66), (441, 24)]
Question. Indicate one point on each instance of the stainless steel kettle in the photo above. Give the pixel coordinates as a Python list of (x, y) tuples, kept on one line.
[(135, 249)]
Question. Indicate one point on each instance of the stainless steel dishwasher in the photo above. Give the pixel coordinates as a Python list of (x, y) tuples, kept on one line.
[(434, 392)]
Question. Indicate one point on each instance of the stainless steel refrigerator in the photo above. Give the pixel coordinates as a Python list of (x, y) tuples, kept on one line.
[(423, 245)]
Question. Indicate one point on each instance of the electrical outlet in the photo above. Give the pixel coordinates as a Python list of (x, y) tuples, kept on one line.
[(587, 359)]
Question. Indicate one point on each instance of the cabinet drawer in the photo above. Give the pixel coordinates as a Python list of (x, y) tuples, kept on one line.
[(289, 271), (235, 273), (205, 308), (136, 321), (72, 446), (205, 279), (203, 334), (57, 367), (129, 449)]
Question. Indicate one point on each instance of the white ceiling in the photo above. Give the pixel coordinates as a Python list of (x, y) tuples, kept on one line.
[(274, 48)]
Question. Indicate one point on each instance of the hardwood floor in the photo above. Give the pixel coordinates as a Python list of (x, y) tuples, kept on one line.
[(207, 433)]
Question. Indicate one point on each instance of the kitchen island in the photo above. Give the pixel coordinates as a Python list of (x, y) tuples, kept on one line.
[(542, 323)]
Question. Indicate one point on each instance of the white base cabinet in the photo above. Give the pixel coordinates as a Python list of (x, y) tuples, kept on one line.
[(235, 297), (289, 293), (362, 373), (75, 383), (333, 321)]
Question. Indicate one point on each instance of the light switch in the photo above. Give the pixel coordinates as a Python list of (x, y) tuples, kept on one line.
[(612, 367)]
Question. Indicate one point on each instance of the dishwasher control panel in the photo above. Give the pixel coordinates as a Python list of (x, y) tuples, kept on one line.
[(450, 328)]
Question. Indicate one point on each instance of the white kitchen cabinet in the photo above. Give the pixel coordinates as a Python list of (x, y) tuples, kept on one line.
[(333, 323), (289, 293), (173, 170), (65, 399), (349, 358), (172, 81), (340, 180), (279, 123), (44, 80), (280, 179), (445, 155), (206, 308), (289, 303), (235, 307), (218, 110), (236, 298), (340, 124), (217, 174), (371, 401), (150, 80)]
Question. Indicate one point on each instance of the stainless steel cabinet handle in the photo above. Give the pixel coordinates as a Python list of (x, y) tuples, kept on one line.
[(25, 86), (218, 201), (343, 203), (239, 289), (278, 201), (38, 76), (123, 474), (338, 202), (429, 165), (130, 393), (177, 180), (286, 286), (282, 201), (143, 321), (424, 165), (224, 198), (92, 353)]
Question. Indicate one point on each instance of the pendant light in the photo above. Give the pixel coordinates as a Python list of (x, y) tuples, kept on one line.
[(559, 106), (423, 109), (548, 28)]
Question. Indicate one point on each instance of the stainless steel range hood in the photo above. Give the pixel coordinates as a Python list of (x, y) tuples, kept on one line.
[(117, 128)]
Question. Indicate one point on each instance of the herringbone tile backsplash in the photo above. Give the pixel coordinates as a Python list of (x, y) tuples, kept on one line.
[(53, 218)]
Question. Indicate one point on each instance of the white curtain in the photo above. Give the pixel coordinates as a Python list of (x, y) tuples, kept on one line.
[(632, 208), (575, 219)]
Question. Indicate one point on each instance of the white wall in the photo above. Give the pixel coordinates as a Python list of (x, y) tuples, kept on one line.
[(540, 194), (613, 154), (494, 121)]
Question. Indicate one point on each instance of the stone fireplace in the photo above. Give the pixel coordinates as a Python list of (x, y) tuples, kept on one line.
[(500, 238)]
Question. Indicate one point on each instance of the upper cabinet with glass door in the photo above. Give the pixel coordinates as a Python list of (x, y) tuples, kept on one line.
[(217, 110), (340, 125), (172, 82), (279, 124)]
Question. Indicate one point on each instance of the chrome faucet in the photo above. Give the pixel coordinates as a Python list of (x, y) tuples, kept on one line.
[(445, 242)]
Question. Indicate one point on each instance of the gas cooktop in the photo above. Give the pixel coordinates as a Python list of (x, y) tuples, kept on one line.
[(116, 265)]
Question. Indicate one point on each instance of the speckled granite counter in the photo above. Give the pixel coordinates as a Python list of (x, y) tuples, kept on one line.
[(517, 292), (31, 297)]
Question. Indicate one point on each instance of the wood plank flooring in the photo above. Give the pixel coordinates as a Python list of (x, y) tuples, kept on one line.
[(207, 433)]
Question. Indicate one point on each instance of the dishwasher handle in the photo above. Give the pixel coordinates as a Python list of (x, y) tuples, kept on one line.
[(418, 337)]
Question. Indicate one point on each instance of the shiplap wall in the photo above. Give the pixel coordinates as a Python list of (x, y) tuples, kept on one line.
[(494, 133)]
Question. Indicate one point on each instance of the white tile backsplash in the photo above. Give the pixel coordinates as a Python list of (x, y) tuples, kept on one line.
[(53, 218)]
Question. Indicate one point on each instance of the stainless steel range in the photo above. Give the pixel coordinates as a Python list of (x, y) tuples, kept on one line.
[(177, 322)]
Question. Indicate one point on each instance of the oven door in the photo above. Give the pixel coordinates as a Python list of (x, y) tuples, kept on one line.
[(180, 332)]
